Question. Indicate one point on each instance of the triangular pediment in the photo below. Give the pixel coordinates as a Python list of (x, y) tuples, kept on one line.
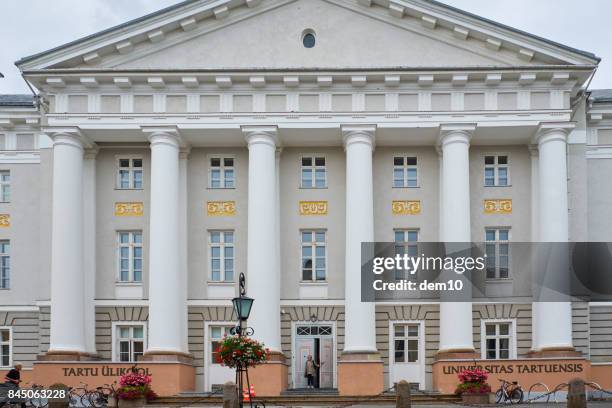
[(267, 34)]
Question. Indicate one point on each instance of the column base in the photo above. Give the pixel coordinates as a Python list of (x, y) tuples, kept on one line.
[(167, 356), (67, 356), (270, 379), (360, 374), (457, 354), (555, 352)]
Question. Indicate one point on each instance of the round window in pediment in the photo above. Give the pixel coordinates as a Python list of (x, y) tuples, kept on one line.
[(308, 38)]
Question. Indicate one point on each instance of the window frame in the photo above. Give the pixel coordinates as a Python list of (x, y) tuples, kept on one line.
[(5, 186), (496, 168), (2, 256), (10, 344), (225, 329), (222, 168), (222, 245), (405, 168), (512, 344), (406, 244), (313, 245), (116, 339), (313, 167), (131, 169), (130, 245), (497, 244)]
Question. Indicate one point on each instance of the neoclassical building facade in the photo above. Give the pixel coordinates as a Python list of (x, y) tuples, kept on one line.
[(162, 157)]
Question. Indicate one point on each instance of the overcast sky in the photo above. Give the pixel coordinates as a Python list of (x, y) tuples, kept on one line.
[(31, 26)]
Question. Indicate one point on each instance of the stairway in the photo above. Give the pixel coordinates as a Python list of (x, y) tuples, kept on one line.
[(311, 397)]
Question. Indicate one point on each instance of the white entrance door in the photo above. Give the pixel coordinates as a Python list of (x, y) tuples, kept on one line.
[(314, 340), (216, 375), (407, 356)]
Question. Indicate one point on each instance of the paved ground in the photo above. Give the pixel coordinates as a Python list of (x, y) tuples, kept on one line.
[(538, 405)]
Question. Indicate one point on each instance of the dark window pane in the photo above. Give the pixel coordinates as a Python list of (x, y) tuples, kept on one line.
[(306, 161), (502, 160), (412, 161), (228, 162), (124, 163), (215, 162), (309, 40), (137, 162), (320, 161), (489, 159), (398, 161)]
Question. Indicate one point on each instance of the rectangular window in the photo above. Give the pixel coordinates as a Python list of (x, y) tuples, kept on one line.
[(406, 343), (497, 171), (314, 172), (221, 173), (405, 172), (5, 265), (216, 336), (497, 249), (221, 244), (5, 186), (498, 338), (406, 242), (5, 347), (314, 255), (130, 342), (130, 256), (129, 176)]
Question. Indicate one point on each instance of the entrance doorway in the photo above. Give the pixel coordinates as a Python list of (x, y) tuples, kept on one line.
[(407, 352), (316, 340)]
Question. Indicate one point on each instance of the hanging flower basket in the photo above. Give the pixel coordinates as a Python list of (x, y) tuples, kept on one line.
[(235, 351), (473, 386), (135, 390)]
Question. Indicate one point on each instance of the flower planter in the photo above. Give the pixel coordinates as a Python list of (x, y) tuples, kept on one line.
[(475, 399), (133, 403)]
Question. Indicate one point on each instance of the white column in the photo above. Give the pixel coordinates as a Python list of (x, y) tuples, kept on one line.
[(166, 299), (67, 247), (553, 226), (360, 319), (456, 317), (89, 252), (263, 277), (184, 244)]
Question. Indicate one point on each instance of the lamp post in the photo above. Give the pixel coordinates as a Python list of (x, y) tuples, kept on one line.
[(242, 307)]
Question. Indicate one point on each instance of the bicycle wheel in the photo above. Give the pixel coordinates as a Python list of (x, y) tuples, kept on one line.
[(97, 399), (499, 395), (516, 397), (39, 402)]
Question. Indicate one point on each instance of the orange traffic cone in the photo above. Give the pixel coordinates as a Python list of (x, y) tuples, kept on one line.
[(245, 393)]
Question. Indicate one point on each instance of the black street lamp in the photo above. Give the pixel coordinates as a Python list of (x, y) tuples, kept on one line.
[(242, 307)]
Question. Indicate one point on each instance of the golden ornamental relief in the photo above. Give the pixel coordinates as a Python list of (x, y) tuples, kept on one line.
[(221, 208), (5, 220), (406, 207), (498, 206), (129, 209), (313, 207)]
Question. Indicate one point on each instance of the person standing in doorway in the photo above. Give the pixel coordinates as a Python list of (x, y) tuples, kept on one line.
[(310, 371)]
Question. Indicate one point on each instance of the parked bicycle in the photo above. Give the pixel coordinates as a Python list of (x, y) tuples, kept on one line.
[(99, 398), (78, 396), (509, 392)]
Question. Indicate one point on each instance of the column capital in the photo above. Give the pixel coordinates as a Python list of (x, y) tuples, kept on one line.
[(168, 135), (91, 153), (358, 134), (68, 136), (261, 134), (549, 131), (534, 150), (184, 152), (456, 133)]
